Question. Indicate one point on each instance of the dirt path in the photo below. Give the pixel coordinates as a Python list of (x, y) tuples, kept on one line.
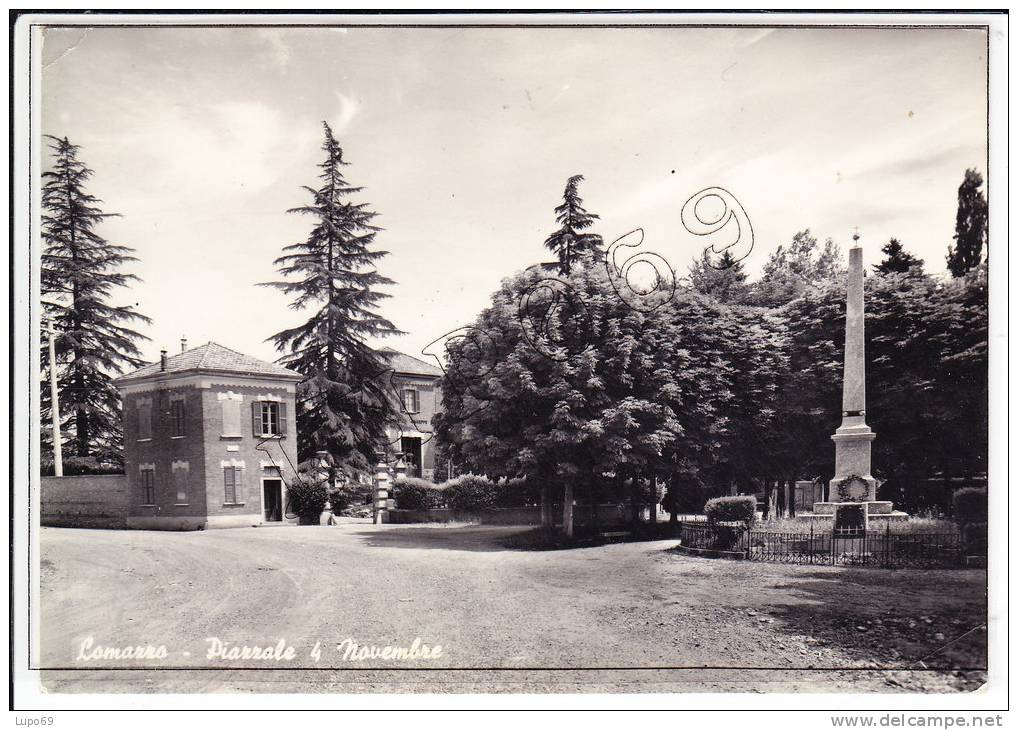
[(635, 617)]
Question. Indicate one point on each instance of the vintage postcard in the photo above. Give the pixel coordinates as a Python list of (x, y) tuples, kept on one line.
[(532, 354)]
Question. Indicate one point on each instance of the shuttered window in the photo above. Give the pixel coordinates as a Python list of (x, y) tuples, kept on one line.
[(411, 400), (233, 482), (177, 417), (148, 486), (268, 418)]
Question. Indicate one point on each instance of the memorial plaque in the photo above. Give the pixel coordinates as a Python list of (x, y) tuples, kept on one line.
[(850, 518)]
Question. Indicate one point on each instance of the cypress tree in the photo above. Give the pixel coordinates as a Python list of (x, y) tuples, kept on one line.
[(969, 227), (569, 242), (343, 404), (79, 272), (897, 259)]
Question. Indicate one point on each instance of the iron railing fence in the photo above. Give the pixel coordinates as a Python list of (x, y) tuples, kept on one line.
[(881, 548)]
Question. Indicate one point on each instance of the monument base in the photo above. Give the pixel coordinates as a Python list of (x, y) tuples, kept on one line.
[(877, 512), (874, 507)]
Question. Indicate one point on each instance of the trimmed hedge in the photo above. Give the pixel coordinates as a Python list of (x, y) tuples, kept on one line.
[(413, 493), (970, 505), (472, 493), (467, 493), (731, 509)]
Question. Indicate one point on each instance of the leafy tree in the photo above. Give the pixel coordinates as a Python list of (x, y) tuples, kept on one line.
[(926, 383), (725, 281), (80, 271), (755, 346), (790, 271), (343, 402), (809, 394), (970, 226), (959, 329), (897, 259), (569, 242), (927, 389), (609, 396), (707, 397)]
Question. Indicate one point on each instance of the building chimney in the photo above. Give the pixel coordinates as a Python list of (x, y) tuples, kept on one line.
[(183, 343), (162, 360)]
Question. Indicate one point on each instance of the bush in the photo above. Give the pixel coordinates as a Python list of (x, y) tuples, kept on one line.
[(970, 505), (974, 536), (413, 493), (307, 499), (731, 509), (471, 493)]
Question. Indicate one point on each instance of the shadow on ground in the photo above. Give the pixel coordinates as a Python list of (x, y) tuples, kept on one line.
[(470, 538), (917, 620)]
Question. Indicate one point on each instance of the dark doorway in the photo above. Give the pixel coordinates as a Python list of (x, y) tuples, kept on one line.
[(272, 500), (411, 448)]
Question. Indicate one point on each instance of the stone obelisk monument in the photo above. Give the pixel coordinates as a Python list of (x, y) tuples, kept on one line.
[(853, 483), (852, 439)]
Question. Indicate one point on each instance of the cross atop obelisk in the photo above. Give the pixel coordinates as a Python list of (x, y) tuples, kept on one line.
[(852, 439)]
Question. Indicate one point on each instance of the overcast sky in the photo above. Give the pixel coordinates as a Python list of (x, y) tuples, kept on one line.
[(464, 138)]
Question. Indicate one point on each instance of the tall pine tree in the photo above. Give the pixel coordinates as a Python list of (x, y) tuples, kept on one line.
[(897, 260), (569, 242), (969, 227), (79, 272), (343, 402)]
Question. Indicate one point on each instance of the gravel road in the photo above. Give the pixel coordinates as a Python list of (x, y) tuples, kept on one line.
[(634, 617)]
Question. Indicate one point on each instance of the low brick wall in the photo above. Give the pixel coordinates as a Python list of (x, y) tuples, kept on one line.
[(92, 500), (608, 515)]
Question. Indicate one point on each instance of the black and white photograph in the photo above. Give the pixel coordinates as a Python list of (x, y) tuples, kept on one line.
[(573, 359)]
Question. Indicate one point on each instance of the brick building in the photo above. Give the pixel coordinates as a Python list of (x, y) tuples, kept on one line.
[(417, 387), (209, 440)]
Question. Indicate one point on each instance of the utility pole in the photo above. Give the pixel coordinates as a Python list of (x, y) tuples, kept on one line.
[(58, 458)]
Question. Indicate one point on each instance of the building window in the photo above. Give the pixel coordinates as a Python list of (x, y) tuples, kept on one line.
[(148, 486), (144, 420), (233, 477), (269, 418), (177, 417), (411, 400)]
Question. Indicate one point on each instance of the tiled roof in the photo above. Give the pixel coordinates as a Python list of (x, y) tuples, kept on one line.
[(407, 365), (214, 357)]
